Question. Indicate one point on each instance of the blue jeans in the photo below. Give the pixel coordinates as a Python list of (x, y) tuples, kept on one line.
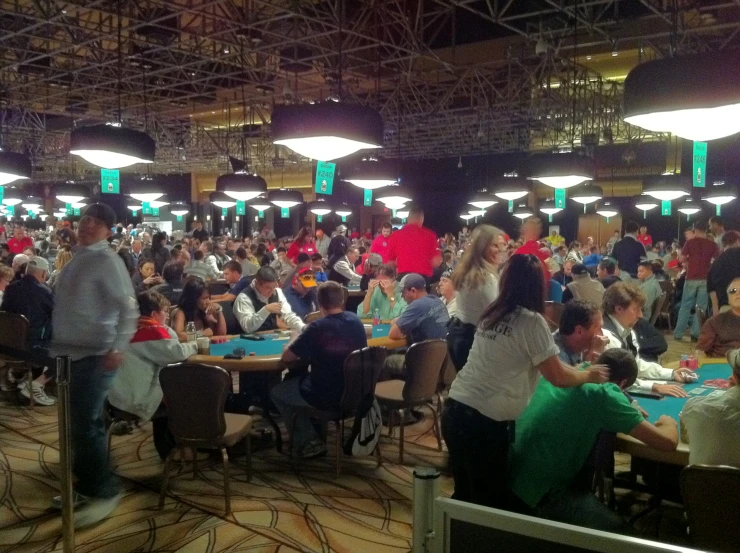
[(694, 293), (88, 387), (286, 396)]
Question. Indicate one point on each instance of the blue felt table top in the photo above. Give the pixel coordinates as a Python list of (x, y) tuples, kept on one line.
[(672, 406)]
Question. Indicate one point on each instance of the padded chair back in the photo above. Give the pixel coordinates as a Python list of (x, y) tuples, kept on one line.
[(361, 370), (218, 287), (424, 363), (710, 494), (313, 316), (658, 307), (232, 324), (195, 395), (13, 330), (701, 315), (345, 293), (556, 292), (553, 313)]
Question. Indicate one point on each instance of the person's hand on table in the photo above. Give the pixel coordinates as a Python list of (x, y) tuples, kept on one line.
[(274, 308), (669, 390), (112, 360), (665, 420), (642, 411), (683, 375), (598, 374)]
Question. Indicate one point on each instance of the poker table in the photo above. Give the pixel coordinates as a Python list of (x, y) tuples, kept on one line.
[(709, 369), (355, 292), (266, 361)]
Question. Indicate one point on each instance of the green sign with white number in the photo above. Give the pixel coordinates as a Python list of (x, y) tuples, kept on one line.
[(146, 208), (179, 218), (665, 207), (69, 209), (241, 209), (325, 177), (77, 212), (367, 198), (155, 212), (285, 212), (319, 219), (2, 193), (511, 206), (560, 198), (134, 212), (224, 212), (110, 180), (699, 173), (261, 214), (344, 218)]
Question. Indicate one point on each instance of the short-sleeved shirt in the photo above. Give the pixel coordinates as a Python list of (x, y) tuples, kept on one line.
[(326, 343), (424, 319), (558, 430), (301, 305), (532, 247), (240, 285), (700, 252), (645, 239), (412, 248), (501, 373)]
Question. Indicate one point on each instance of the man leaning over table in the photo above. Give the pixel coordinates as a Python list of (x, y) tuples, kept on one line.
[(713, 423), (93, 321), (258, 306)]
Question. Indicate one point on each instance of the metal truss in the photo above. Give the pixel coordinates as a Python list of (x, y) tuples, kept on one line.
[(440, 92)]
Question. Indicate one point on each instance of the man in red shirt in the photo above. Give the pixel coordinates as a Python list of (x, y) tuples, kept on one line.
[(698, 254), (413, 247), (644, 238), (20, 241), (381, 243), (531, 230)]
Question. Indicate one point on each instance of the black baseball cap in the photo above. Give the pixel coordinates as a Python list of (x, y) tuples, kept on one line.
[(101, 212)]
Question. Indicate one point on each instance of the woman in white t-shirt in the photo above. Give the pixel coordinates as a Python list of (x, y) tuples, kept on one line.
[(476, 282), (512, 347)]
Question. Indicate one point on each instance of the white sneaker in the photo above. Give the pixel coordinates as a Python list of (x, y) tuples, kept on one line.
[(77, 499), (39, 395), (95, 510), (5, 384)]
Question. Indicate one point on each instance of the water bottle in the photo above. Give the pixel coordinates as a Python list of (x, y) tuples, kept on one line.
[(376, 317), (191, 332)]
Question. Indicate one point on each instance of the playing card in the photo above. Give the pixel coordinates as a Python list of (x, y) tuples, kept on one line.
[(722, 383)]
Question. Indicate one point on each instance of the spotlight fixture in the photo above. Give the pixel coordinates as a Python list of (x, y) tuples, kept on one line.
[(522, 211), (372, 174), (607, 210), (12, 196), (326, 131), (512, 188), (112, 146), (393, 196), (695, 97), (285, 198), (179, 208), (483, 200), (561, 170), (666, 187), (221, 200), (689, 207), (13, 167), (549, 208), (587, 194), (70, 192), (319, 207)]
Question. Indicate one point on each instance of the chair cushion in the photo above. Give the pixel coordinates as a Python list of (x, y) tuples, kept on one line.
[(237, 427), (390, 391)]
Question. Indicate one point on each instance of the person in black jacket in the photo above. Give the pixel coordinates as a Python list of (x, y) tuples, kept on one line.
[(628, 251)]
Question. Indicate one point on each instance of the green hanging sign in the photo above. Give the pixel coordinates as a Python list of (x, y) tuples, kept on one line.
[(403, 220), (549, 218), (344, 218), (324, 182), (285, 212), (718, 210), (155, 212), (134, 212), (367, 198), (560, 198), (511, 206), (11, 210), (2, 193), (224, 212), (31, 214), (69, 209), (179, 218), (665, 207), (319, 219), (110, 180), (261, 214), (699, 173), (77, 212), (394, 213), (146, 208), (241, 209)]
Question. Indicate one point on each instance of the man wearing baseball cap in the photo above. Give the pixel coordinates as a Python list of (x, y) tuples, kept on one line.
[(93, 321), (301, 294), (30, 297)]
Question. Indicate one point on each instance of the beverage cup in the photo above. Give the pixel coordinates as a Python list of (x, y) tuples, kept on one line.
[(204, 346)]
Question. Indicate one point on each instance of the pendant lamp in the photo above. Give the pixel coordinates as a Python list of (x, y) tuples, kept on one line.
[(260, 206), (145, 190), (372, 174), (561, 170), (607, 210), (14, 167), (320, 207), (548, 207), (720, 194), (241, 186), (32, 203), (665, 187), (156, 204), (326, 131), (689, 207), (12, 196), (179, 208), (466, 216), (343, 211), (587, 194), (135, 207), (512, 188), (112, 146), (483, 200), (221, 200), (285, 198), (402, 213), (645, 205), (69, 192), (695, 97), (523, 211), (392, 196)]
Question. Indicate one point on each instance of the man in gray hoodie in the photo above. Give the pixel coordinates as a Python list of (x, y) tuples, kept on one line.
[(94, 320)]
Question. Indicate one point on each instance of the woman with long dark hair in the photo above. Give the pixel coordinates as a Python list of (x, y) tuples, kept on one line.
[(160, 253), (303, 243), (512, 347), (195, 306)]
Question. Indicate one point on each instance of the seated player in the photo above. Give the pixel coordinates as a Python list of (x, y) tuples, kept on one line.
[(383, 295), (713, 423), (325, 343), (721, 333), (302, 294), (259, 304), (317, 264), (556, 434), (195, 306), (233, 277)]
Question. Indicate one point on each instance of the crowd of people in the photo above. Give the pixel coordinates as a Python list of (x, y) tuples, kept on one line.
[(133, 299)]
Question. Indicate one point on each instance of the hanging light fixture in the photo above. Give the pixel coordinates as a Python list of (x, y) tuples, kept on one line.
[(720, 194), (135, 207), (394, 197), (70, 193), (145, 190), (31, 203), (60, 214), (483, 199), (587, 194), (548, 207), (112, 146), (512, 188), (343, 211), (241, 186), (402, 213), (645, 205), (179, 208), (285, 198), (466, 216), (561, 170), (522, 211), (156, 204), (695, 97), (259, 206), (689, 207), (326, 131), (12, 196), (13, 167), (666, 187), (606, 209), (319, 207), (372, 173), (221, 200)]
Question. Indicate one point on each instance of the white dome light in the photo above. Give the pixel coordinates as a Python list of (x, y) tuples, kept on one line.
[(148, 197)]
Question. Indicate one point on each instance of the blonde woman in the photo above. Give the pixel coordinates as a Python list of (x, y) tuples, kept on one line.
[(476, 281), (64, 256)]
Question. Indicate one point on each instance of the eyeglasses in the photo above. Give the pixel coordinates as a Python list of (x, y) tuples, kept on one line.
[(733, 291)]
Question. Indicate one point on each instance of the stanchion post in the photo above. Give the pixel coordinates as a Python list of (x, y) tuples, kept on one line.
[(64, 365), (426, 490)]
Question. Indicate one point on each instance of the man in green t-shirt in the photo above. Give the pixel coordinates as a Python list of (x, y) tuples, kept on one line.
[(557, 432)]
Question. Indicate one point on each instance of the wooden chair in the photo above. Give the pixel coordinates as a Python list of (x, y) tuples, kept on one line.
[(424, 363), (658, 305), (710, 494), (14, 334), (665, 312), (553, 314), (361, 370), (196, 396), (314, 316)]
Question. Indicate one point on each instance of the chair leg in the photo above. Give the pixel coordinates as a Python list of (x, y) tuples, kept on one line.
[(248, 460), (400, 442), (110, 440), (32, 403), (291, 425), (227, 489), (165, 480), (379, 455), (437, 432), (391, 413), (338, 446), (194, 453)]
